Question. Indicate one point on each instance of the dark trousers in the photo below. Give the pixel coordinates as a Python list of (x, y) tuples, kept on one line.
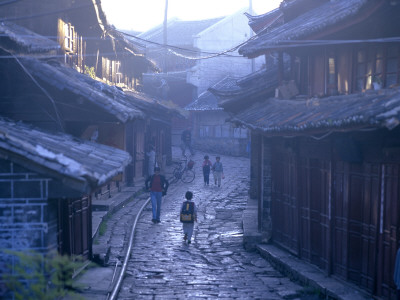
[(206, 177)]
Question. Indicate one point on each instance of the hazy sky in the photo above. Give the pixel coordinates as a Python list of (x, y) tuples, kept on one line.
[(142, 15)]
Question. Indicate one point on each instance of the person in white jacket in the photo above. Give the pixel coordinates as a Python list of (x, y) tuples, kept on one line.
[(152, 160)]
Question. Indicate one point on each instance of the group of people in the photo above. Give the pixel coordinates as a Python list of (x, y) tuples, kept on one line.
[(216, 168), (157, 184)]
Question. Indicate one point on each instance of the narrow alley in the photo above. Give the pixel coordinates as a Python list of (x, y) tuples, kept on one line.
[(215, 265)]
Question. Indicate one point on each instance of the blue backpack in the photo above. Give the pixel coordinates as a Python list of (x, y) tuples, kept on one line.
[(187, 212)]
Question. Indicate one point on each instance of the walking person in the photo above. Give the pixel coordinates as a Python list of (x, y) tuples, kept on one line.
[(186, 138), (218, 171), (206, 166), (152, 160), (157, 185), (188, 217)]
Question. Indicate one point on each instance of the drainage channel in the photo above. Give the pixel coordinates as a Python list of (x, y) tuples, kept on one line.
[(117, 286)]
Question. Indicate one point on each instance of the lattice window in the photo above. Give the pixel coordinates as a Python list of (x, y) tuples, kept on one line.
[(69, 37)]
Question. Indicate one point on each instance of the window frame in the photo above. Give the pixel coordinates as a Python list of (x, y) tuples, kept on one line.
[(375, 65)]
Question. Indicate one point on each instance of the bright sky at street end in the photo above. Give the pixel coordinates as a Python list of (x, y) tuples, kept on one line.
[(141, 15)]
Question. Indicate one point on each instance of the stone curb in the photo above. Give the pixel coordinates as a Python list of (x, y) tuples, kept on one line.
[(309, 275)]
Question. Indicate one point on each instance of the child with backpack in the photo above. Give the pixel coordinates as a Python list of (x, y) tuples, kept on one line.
[(188, 217), (206, 170)]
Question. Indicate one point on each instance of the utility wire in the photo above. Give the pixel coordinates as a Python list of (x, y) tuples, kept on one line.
[(286, 44), (274, 44), (270, 45), (44, 91), (170, 47)]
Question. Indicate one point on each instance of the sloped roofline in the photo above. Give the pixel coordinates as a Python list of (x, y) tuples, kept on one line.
[(65, 78), (26, 38), (310, 23), (372, 109), (222, 21), (80, 165)]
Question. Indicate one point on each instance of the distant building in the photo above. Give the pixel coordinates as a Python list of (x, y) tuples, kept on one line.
[(212, 131), (185, 74)]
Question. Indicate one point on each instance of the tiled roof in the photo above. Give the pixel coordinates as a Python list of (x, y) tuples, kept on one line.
[(256, 85), (62, 77), (154, 108), (179, 32), (313, 21), (268, 20), (370, 109), (81, 165), (30, 41), (207, 100)]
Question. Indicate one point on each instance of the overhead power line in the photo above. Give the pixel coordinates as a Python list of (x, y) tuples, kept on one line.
[(276, 44), (172, 48)]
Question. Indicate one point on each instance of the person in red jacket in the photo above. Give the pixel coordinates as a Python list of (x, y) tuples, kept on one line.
[(158, 186)]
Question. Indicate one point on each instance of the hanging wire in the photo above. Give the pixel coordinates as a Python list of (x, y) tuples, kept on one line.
[(271, 44), (44, 91)]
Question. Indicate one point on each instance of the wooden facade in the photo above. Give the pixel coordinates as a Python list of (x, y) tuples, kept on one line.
[(75, 227), (87, 42), (334, 210), (52, 96), (325, 159), (46, 183)]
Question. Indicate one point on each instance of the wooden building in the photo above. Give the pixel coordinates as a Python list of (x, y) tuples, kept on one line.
[(325, 164), (58, 97), (211, 130), (46, 182), (87, 42)]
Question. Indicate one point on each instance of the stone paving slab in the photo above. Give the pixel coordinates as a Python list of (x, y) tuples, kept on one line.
[(220, 267)]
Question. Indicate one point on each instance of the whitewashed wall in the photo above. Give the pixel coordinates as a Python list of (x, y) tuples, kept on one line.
[(224, 35)]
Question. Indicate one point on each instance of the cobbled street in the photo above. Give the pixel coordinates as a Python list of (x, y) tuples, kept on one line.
[(215, 265)]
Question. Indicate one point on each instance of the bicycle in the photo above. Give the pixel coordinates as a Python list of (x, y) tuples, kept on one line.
[(184, 172)]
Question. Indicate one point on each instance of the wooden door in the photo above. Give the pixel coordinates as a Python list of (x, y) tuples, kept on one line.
[(340, 219), (76, 227), (355, 222), (388, 230), (304, 209), (319, 174), (284, 200)]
